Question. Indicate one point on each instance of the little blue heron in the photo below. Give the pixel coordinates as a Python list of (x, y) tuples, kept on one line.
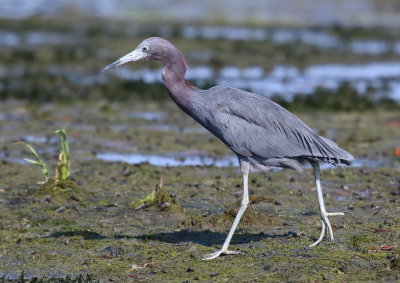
[(260, 132)]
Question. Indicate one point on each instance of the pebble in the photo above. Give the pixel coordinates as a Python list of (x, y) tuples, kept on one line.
[(212, 274), (61, 209)]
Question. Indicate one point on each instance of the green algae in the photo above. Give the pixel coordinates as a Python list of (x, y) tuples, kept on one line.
[(92, 229), (159, 199), (60, 192), (161, 252)]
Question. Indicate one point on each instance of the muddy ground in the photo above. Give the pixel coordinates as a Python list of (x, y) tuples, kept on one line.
[(92, 230)]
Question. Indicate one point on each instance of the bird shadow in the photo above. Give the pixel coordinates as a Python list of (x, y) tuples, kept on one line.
[(205, 238), (87, 235)]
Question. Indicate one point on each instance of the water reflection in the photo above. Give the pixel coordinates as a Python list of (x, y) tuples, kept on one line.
[(169, 159), (145, 115), (287, 80), (321, 39), (190, 159), (283, 80), (35, 38), (172, 128), (303, 13)]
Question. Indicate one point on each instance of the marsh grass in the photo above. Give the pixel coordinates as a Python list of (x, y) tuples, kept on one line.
[(63, 165), (39, 160), (62, 174)]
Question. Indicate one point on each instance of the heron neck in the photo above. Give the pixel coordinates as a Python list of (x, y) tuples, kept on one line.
[(173, 76)]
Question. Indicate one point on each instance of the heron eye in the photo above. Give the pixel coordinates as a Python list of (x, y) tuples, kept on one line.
[(145, 48)]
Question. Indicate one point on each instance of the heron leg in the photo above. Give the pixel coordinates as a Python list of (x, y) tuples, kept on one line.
[(245, 201), (325, 223)]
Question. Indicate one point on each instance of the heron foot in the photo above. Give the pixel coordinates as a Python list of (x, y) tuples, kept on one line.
[(326, 224), (220, 252)]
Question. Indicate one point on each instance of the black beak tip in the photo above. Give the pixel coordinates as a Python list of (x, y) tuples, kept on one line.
[(106, 68), (111, 66)]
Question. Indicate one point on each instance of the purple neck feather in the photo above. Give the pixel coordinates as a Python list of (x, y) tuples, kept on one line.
[(173, 76)]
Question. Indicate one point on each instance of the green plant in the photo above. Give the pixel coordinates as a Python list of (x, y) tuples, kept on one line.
[(39, 160), (157, 198), (63, 165)]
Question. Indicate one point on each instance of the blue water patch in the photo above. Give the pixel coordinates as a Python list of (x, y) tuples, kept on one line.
[(180, 159), (171, 160), (287, 80)]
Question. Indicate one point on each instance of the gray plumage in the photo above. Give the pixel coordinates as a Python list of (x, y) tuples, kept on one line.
[(260, 132), (257, 128)]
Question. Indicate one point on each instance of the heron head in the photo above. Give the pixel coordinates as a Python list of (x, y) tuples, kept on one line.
[(153, 48)]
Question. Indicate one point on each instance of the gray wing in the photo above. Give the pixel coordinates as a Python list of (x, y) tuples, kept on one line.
[(252, 125)]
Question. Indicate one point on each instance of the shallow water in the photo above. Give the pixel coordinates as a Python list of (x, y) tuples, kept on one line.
[(35, 38), (314, 12), (172, 128), (316, 38), (286, 80), (377, 63), (283, 80), (170, 160), (146, 115), (323, 40), (193, 159)]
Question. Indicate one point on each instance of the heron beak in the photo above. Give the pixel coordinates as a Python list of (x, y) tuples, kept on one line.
[(135, 55)]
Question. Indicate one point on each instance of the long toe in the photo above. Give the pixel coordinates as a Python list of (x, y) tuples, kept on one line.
[(232, 252), (326, 226), (329, 228), (220, 252), (212, 255), (322, 235), (335, 213), (328, 223)]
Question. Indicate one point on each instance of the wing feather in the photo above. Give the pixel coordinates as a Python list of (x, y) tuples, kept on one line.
[(252, 124)]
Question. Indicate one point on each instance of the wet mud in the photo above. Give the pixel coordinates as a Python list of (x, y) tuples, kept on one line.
[(93, 228), (101, 225)]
